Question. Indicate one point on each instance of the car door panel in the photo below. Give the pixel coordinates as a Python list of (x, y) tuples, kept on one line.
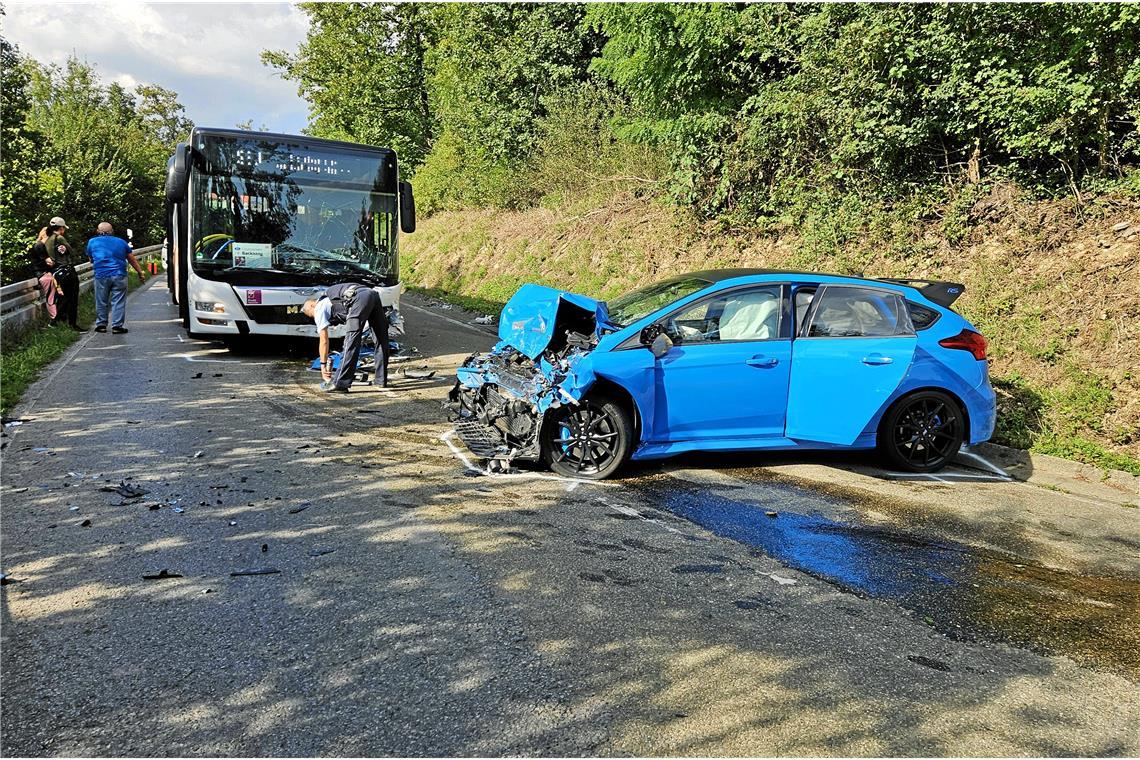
[(723, 390), (839, 377)]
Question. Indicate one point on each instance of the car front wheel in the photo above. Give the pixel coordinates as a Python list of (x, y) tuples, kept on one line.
[(590, 439), (923, 432)]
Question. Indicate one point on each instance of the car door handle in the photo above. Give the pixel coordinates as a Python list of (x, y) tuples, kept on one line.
[(762, 361), (874, 359)]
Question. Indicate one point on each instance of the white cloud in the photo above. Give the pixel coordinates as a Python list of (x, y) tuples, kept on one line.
[(207, 52)]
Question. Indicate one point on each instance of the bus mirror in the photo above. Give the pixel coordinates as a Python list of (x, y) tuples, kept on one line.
[(407, 208), (178, 174)]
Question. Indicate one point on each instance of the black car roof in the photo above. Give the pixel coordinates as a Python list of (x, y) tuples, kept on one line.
[(719, 275)]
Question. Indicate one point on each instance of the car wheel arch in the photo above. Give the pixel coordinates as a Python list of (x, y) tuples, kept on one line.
[(615, 391), (914, 391)]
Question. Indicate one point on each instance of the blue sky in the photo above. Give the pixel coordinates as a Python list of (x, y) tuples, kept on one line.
[(206, 52)]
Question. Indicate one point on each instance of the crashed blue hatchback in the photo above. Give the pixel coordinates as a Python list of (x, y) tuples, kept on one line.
[(728, 360)]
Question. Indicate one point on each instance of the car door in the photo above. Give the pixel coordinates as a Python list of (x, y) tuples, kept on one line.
[(848, 357), (727, 373)]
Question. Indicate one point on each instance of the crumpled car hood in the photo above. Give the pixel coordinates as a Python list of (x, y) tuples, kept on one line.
[(536, 315)]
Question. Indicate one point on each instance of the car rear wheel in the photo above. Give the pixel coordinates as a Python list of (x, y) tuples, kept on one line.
[(922, 432), (590, 439)]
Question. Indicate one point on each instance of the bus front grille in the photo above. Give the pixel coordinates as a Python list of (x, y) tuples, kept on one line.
[(277, 315)]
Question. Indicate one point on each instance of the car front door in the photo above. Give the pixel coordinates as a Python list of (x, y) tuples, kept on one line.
[(727, 373), (849, 356)]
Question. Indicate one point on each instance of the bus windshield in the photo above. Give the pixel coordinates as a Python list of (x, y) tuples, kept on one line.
[(320, 214)]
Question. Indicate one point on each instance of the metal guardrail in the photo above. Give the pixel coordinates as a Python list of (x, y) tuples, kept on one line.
[(21, 301)]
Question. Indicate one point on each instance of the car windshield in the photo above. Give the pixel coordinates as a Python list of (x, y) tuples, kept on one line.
[(627, 309)]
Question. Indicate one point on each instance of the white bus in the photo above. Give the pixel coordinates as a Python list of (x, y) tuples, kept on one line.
[(258, 222)]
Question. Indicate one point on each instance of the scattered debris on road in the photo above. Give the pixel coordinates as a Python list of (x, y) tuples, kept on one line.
[(161, 575), (197, 455), (772, 513), (264, 548), (321, 552), (418, 374), (256, 571), (486, 319), (5, 579), (300, 507), (85, 524), (197, 376)]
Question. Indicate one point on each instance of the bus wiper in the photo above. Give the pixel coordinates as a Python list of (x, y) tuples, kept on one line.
[(253, 269)]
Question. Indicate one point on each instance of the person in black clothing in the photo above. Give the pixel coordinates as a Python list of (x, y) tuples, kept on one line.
[(61, 257), (44, 267), (349, 304)]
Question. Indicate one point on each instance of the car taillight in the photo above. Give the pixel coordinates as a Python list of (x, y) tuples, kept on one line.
[(967, 340)]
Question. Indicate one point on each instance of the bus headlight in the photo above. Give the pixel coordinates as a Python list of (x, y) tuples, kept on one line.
[(219, 308)]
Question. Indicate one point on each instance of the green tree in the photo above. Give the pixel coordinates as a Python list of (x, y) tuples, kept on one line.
[(362, 69)]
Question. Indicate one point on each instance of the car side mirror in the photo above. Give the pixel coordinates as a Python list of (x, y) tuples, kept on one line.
[(660, 346), (655, 339)]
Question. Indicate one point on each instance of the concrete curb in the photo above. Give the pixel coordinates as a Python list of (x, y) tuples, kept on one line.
[(1062, 474)]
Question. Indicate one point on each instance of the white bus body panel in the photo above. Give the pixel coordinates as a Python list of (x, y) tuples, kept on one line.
[(228, 308)]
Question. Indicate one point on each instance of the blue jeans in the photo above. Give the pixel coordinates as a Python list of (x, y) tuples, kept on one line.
[(113, 291)]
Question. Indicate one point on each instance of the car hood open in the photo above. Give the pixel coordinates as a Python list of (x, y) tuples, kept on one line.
[(537, 318)]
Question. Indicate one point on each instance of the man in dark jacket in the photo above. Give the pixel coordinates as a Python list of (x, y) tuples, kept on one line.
[(67, 297), (349, 304)]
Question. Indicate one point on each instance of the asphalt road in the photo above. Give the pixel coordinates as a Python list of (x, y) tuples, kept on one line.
[(420, 609)]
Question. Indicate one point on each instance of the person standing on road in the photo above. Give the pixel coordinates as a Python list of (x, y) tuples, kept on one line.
[(45, 272), (349, 304), (66, 278), (109, 256)]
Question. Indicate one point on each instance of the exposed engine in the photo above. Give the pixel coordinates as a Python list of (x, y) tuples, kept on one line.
[(501, 398)]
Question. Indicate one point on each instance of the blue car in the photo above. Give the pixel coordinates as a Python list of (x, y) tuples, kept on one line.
[(728, 360)]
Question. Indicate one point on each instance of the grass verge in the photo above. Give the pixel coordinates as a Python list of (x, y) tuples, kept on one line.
[(38, 344), (470, 303)]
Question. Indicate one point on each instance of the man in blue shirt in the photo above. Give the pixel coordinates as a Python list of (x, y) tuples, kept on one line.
[(109, 256)]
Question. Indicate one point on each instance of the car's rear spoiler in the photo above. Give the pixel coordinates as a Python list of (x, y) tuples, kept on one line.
[(941, 293)]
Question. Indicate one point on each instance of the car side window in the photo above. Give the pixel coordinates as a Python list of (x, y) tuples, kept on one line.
[(748, 314), (852, 312)]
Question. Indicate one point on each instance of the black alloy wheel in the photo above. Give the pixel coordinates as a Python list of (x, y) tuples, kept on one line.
[(923, 432), (589, 440)]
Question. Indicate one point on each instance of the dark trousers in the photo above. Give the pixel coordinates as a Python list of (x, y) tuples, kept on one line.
[(365, 308), (67, 305)]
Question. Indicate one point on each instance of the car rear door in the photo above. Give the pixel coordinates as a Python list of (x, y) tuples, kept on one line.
[(849, 356)]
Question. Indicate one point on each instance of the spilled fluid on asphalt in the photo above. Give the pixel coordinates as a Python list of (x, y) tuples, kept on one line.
[(965, 592)]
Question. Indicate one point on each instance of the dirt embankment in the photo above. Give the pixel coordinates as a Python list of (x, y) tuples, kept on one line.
[(1055, 287)]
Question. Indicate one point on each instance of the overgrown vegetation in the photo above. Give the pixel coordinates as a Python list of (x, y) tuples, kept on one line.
[(27, 351), (81, 149)]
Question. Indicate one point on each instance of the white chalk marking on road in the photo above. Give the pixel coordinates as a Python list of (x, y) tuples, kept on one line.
[(989, 465), (572, 483), (634, 513), (961, 475), (456, 322), (780, 579)]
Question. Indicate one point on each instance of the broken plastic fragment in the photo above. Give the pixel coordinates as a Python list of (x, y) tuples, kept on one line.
[(484, 320), (177, 510), (414, 374), (197, 455), (300, 507), (85, 524), (321, 552), (162, 574), (772, 513), (256, 571), (73, 508)]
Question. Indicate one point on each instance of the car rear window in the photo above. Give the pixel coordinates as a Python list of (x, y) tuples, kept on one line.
[(922, 317)]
